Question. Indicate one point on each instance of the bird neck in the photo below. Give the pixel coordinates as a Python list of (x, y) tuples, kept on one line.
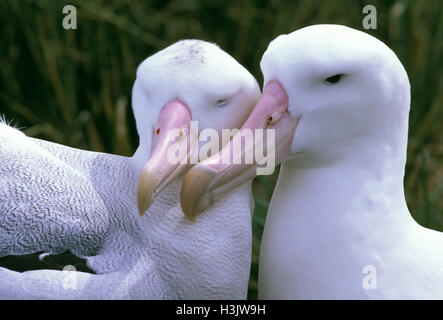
[(140, 157), (352, 198), (333, 220)]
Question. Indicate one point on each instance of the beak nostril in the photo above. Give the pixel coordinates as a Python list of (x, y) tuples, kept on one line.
[(157, 131)]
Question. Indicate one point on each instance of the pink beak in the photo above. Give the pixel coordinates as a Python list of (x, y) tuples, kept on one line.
[(172, 131), (206, 182)]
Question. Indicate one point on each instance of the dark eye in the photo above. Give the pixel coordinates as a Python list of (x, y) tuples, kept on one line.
[(222, 102), (334, 79)]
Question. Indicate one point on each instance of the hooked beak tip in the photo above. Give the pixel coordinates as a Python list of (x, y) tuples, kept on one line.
[(143, 203), (141, 210), (194, 186), (147, 184)]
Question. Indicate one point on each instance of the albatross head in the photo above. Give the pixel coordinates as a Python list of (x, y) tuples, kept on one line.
[(331, 93), (191, 80)]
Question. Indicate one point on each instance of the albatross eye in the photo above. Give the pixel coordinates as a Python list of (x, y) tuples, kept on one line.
[(334, 79), (221, 103)]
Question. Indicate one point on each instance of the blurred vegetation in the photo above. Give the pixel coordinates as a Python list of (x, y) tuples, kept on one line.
[(73, 86)]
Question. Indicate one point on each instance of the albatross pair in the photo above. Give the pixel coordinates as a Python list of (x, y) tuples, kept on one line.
[(338, 100)]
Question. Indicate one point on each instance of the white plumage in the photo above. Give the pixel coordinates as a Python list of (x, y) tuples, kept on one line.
[(339, 209), (56, 198), (338, 225)]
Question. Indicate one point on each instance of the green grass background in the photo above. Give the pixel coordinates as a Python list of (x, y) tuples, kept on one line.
[(73, 87)]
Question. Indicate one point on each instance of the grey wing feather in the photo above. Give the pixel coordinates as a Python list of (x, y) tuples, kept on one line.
[(50, 199)]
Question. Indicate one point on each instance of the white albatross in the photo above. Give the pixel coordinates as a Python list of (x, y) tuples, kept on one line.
[(55, 198), (338, 225)]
